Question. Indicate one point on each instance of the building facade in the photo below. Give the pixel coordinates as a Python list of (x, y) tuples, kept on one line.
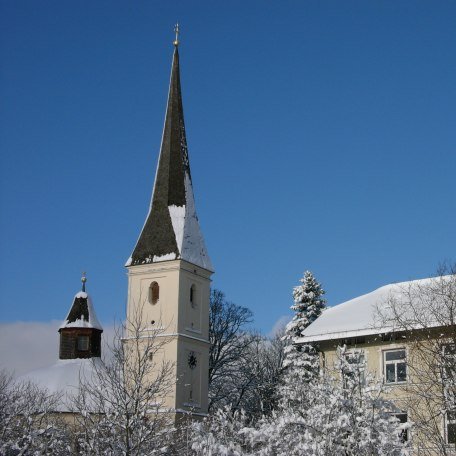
[(404, 334)]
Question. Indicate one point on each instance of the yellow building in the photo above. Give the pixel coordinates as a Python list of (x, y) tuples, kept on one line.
[(405, 334)]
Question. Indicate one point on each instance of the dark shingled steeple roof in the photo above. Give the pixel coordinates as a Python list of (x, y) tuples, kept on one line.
[(171, 230), (82, 314)]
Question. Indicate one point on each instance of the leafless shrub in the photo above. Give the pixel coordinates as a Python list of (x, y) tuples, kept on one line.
[(29, 423)]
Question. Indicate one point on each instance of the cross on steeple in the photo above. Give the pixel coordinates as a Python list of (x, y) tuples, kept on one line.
[(176, 29), (84, 280)]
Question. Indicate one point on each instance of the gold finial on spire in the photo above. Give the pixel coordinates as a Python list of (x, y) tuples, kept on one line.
[(84, 280), (176, 29)]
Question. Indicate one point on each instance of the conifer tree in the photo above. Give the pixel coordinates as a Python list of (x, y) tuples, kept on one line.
[(301, 362)]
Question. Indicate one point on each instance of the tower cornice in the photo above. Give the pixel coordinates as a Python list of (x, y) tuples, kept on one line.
[(166, 266)]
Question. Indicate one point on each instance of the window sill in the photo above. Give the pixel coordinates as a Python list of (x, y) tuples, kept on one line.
[(192, 405)]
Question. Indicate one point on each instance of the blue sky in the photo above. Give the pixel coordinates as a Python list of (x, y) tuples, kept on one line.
[(321, 136)]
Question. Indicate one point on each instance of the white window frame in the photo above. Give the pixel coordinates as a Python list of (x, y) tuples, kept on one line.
[(406, 431), (395, 363), (360, 352)]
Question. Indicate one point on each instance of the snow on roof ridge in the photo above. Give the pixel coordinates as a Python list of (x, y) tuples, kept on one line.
[(388, 286), (357, 315), (81, 294)]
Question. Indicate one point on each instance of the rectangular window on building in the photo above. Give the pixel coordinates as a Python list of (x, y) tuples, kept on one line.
[(449, 362), (83, 343), (402, 417), (395, 366), (451, 427), (356, 359)]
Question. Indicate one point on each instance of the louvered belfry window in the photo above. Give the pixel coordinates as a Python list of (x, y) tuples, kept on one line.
[(154, 293), (193, 295), (83, 343)]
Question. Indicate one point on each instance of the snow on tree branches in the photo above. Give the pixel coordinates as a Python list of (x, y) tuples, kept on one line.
[(301, 362), (308, 305), (338, 412)]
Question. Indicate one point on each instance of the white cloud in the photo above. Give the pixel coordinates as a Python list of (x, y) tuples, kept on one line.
[(25, 346)]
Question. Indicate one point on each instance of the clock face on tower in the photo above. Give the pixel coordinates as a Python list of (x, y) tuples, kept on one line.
[(192, 361)]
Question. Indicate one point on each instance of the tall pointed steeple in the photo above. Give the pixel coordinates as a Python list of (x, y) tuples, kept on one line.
[(169, 272), (171, 230)]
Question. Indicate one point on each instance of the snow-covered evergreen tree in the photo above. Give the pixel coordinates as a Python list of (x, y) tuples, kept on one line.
[(301, 362), (308, 304)]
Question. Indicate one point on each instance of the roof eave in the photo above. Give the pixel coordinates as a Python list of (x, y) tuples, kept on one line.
[(362, 332)]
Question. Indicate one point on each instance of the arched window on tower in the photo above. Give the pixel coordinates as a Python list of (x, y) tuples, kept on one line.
[(154, 293), (193, 295)]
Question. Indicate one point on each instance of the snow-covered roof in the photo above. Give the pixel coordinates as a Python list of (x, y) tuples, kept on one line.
[(368, 314), (63, 378), (171, 230), (82, 313)]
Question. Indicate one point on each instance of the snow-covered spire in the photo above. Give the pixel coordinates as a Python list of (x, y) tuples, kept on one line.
[(171, 230), (80, 332), (82, 313)]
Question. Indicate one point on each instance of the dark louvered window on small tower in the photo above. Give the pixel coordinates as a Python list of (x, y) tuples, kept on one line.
[(193, 295), (154, 293), (83, 343)]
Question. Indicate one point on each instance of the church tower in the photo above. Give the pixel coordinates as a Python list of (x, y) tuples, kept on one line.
[(169, 270)]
